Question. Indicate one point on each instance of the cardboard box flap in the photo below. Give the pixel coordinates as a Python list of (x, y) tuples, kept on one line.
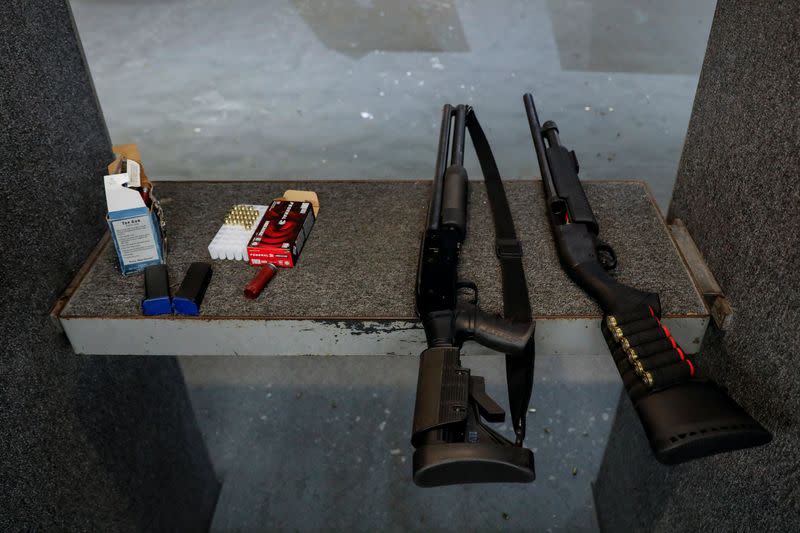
[(128, 151), (118, 196), (302, 196)]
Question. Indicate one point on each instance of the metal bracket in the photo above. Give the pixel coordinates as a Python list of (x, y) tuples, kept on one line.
[(718, 306)]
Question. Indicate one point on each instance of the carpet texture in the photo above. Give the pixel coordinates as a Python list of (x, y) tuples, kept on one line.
[(86, 443), (361, 258)]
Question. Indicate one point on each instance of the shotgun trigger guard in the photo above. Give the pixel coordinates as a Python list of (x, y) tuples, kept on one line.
[(606, 255)]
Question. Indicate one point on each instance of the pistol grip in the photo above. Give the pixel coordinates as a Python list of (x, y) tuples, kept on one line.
[(492, 331)]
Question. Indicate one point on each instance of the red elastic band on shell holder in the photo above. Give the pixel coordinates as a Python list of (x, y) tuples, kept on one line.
[(674, 344)]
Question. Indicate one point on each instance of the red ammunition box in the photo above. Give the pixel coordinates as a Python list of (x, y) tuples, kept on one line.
[(281, 234)]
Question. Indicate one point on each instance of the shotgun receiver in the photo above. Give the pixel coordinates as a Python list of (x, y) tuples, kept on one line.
[(453, 442), (684, 415)]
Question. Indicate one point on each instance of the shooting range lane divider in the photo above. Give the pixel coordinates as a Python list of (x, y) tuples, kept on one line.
[(352, 290)]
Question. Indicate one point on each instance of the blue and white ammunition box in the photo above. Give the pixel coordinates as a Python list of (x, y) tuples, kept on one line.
[(134, 225)]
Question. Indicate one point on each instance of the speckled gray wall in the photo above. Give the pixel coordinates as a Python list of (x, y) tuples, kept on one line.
[(86, 443), (739, 194)]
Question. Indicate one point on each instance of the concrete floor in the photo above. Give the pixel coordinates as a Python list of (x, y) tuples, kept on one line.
[(321, 443), (353, 89)]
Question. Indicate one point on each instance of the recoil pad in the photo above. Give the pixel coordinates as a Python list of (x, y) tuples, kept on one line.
[(696, 419), (437, 465)]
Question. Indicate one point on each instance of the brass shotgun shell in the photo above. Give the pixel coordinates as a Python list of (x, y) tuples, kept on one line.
[(632, 355)]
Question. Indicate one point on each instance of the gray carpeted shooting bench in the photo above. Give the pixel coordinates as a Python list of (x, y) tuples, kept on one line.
[(353, 289)]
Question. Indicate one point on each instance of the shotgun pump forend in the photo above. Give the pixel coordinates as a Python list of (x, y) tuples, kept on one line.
[(684, 415), (454, 443)]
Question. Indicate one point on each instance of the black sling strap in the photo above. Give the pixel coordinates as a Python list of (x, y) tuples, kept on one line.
[(516, 305)]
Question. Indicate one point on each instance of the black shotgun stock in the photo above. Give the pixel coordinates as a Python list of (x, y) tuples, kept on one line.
[(684, 415), (453, 442)]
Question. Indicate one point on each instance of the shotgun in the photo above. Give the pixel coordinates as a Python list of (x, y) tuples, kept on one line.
[(452, 439), (685, 415)]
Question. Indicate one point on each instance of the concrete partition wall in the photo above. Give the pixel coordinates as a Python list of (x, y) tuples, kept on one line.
[(86, 443), (738, 191)]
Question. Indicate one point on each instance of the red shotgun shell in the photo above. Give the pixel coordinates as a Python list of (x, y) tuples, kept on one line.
[(257, 284)]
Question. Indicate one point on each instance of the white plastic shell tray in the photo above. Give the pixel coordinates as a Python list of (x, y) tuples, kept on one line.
[(231, 241)]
